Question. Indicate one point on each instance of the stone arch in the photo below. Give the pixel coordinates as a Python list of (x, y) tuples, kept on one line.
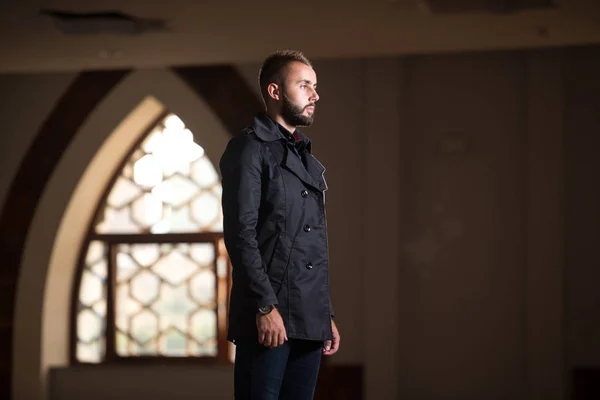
[(93, 150)]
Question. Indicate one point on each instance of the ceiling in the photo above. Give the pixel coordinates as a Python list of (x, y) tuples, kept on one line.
[(211, 31)]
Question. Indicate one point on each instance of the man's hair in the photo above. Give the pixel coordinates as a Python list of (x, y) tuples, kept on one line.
[(273, 68)]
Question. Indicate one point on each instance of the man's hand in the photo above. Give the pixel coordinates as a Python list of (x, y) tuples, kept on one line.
[(271, 331), (331, 346)]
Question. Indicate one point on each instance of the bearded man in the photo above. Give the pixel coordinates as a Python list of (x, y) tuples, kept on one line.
[(280, 312)]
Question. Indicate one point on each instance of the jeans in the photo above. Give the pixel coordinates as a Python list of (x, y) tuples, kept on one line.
[(288, 372)]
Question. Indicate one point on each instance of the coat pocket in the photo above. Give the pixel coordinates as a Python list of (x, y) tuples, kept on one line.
[(279, 263), (268, 252)]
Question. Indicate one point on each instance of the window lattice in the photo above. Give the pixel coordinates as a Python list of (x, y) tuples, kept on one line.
[(156, 297), (168, 185)]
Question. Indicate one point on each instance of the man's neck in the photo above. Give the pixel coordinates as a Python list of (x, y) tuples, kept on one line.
[(279, 119)]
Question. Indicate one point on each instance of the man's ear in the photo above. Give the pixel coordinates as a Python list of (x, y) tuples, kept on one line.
[(274, 91)]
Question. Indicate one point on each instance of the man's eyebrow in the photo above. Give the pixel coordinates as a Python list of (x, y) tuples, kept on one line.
[(307, 81)]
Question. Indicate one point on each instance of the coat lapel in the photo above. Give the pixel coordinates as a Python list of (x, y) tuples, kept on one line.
[(316, 170), (294, 164), (311, 175)]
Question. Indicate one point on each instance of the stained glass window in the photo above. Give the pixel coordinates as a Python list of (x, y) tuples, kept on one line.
[(154, 280)]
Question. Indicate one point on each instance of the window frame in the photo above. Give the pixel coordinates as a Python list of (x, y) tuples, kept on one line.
[(224, 348)]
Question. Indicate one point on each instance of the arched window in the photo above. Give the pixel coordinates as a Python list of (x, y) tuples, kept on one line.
[(154, 277)]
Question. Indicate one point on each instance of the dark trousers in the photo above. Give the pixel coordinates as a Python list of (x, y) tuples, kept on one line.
[(288, 372)]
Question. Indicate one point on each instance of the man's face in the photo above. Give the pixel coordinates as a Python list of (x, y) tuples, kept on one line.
[(299, 95)]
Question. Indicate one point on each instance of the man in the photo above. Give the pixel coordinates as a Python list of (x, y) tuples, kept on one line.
[(280, 317)]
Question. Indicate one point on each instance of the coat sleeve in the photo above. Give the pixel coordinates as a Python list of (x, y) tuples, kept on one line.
[(241, 169)]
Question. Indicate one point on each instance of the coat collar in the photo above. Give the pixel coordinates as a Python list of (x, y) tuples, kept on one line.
[(268, 130)]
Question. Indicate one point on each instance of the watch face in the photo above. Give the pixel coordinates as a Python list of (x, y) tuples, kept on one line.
[(265, 309)]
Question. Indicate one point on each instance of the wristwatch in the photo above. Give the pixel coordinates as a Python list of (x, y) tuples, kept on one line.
[(265, 309)]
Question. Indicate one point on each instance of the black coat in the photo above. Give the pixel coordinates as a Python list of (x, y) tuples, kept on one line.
[(275, 233)]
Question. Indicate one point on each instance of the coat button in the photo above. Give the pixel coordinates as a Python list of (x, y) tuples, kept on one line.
[(309, 265), (306, 228), (304, 193)]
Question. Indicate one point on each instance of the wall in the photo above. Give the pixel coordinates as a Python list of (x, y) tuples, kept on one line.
[(462, 228), (26, 101), (582, 269), (468, 303), (451, 216), (150, 383)]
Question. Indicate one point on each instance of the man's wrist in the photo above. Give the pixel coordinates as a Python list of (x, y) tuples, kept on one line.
[(265, 309)]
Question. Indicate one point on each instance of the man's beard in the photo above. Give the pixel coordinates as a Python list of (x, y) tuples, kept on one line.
[(293, 114)]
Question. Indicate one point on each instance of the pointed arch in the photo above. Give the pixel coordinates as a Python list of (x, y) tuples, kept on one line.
[(153, 276), (48, 256)]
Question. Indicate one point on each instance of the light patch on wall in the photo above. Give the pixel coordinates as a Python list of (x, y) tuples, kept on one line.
[(454, 143)]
